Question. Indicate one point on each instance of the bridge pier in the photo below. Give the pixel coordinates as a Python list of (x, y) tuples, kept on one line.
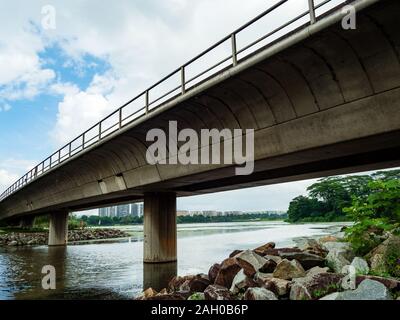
[(27, 222), (58, 229), (159, 228)]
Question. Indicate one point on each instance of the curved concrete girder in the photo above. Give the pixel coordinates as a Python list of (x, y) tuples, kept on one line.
[(295, 85), (205, 112), (318, 75), (279, 102), (237, 102), (379, 58), (346, 65), (222, 111)]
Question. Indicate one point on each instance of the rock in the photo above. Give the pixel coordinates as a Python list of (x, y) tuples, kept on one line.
[(217, 292), (316, 270), (169, 296), (312, 246), (148, 293), (326, 239), (307, 260), (367, 290), (229, 269), (390, 283), (13, 243), (234, 253), (269, 266), (163, 291), (277, 252), (259, 294), (277, 259), (360, 265), (336, 260), (199, 283), (315, 287), (241, 282), (213, 272), (344, 248), (385, 258), (378, 264), (177, 283), (197, 296), (278, 286), (250, 262), (260, 277), (262, 249), (332, 296), (288, 270)]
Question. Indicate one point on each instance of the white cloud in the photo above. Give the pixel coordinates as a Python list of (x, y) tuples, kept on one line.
[(11, 169)]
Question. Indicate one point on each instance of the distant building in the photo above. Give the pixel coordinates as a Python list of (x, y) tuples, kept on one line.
[(122, 210)]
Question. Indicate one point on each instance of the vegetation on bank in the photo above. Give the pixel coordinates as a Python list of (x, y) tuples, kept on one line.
[(328, 198)]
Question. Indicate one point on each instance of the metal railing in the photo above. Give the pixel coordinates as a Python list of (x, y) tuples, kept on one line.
[(118, 119)]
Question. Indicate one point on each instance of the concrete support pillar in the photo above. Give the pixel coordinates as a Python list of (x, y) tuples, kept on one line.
[(58, 229), (159, 243), (27, 222)]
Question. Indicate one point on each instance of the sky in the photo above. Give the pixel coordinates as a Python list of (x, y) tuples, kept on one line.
[(64, 65)]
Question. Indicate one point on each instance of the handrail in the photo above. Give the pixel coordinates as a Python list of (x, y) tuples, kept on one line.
[(103, 132)]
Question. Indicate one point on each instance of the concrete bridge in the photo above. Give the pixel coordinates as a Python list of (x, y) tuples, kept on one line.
[(321, 100)]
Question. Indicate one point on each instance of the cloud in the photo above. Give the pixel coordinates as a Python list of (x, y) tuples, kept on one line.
[(11, 169)]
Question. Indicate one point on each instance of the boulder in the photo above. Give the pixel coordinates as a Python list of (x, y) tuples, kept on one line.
[(378, 264), (307, 260), (367, 290), (326, 239), (197, 296), (260, 277), (197, 283), (146, 294), (316, 270), (259, 294), (390, 283), (336, 260), (177, 283), (360, 265), (234, 253), (277, 259), (250, 262), (288, 270), (13, 243), (269, 266), (343, 247), (213, 272), (278, 286), (312, 246), (241, 282), (278, 251), (217, 292), (331, 296), (229, 269), (315, 287), (262, 249)]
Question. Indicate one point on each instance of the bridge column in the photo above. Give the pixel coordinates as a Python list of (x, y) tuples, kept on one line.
[(26, 222), (58, 229), (159, 228)]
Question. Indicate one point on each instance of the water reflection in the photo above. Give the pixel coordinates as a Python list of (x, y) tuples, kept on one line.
[(157, 275)]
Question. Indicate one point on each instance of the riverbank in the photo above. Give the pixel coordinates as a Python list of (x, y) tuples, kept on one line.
[(20, 238), (323, 268)]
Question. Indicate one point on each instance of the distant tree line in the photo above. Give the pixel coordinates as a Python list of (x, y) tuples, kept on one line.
[(328, 197), (129, 220)]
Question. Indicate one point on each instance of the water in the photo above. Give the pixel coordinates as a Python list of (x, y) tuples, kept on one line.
[(114, 270)]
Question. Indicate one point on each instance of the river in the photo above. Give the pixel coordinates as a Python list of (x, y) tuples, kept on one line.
[(114, 269)]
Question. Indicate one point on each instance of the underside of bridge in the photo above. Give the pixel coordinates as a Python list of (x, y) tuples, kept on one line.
[(320, 104)]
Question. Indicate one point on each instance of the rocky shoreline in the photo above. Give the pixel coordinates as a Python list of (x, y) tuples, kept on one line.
[(323, 269), (41, 238)]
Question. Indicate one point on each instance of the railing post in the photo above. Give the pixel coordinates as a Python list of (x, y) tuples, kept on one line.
[(312, 11), (83, 141), (234, 49), (183, 81), (120, 118), (146, 101), (69, 150), (100, 130)]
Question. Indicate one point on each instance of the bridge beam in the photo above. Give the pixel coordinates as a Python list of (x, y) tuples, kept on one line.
[(27, 222), (58, 229), (159, 228)]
